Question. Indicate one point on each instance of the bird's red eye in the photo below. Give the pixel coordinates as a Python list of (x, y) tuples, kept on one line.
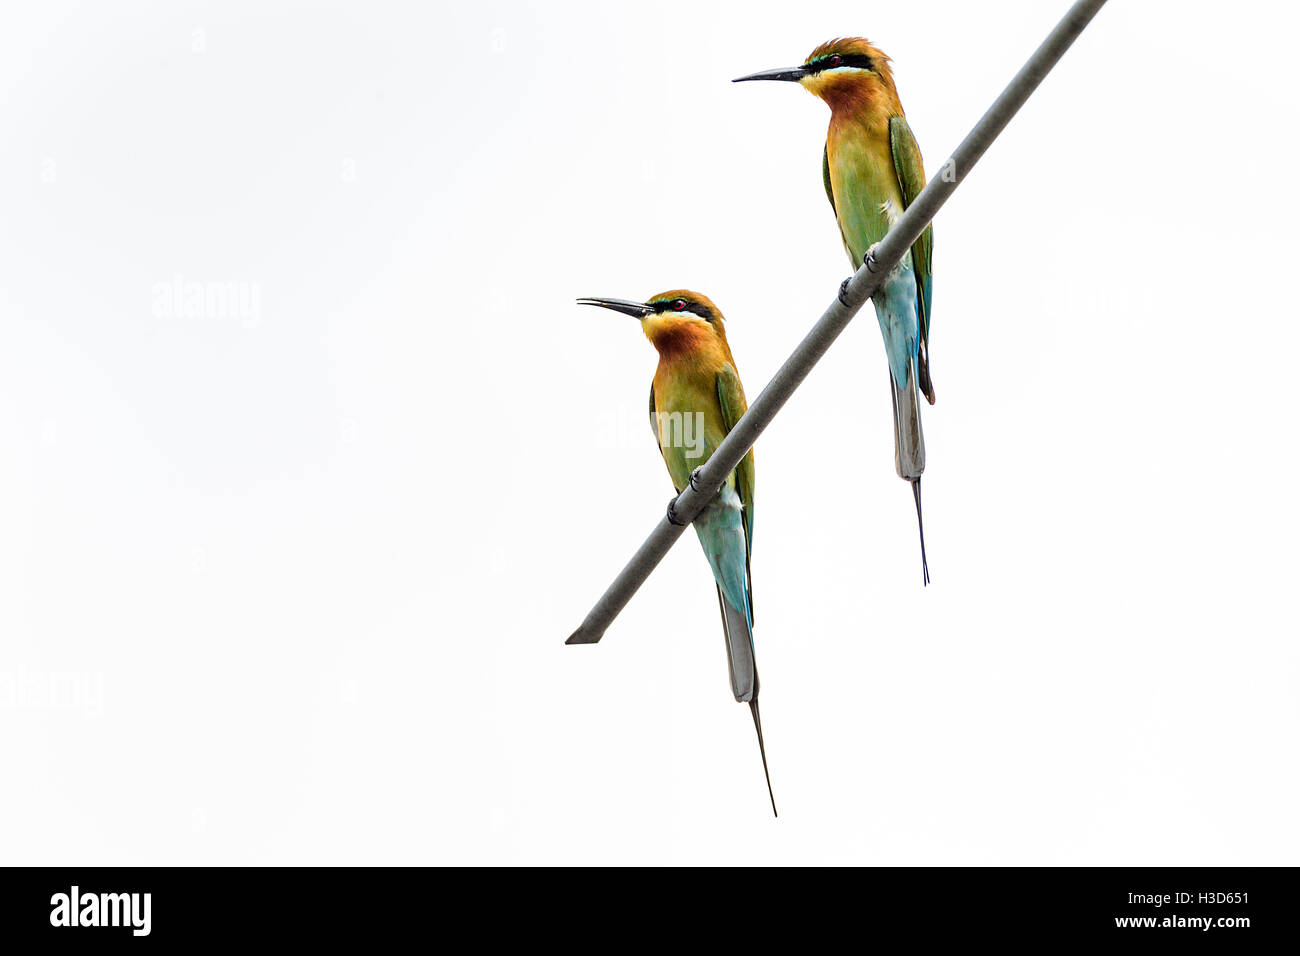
[(679, 305), (835, 60)]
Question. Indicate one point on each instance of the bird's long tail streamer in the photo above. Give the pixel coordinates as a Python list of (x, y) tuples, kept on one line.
[(758, 726), (909, 445), (920, 527)]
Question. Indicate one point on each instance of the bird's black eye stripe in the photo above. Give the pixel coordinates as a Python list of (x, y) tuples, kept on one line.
[(670, 305), (833, 60)]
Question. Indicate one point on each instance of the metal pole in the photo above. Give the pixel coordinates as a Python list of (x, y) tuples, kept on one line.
[(880, 260)]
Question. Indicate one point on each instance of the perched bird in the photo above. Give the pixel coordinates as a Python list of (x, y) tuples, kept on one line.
[(872, 171), (695, 400)]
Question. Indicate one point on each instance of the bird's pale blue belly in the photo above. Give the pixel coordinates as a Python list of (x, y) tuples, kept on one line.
[(867, 203), (895, 303)]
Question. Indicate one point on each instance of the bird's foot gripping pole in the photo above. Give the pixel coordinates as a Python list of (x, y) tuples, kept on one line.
[(697, 482), (673, 519), (697, 485), (844, 288), (869, 260)]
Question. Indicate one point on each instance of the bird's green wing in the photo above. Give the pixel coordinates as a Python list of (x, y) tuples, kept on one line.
[(911, 180), (654, 414), (826, 178), (731, 396), (830, 194)]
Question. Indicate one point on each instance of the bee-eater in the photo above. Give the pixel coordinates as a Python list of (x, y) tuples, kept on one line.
[(871, 168), (695, 400)]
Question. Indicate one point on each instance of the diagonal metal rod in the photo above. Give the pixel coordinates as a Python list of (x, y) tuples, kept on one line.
[(883, 257)]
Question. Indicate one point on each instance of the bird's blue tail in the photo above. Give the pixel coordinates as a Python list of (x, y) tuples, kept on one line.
[(722, 534), (737, 628), (909, 440)]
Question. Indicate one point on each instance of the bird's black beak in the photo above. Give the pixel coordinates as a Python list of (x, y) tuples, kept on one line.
[(792, 75), (638, 310)]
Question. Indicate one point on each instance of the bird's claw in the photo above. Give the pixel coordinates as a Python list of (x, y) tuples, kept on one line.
[(844, 288), (672, 514), (697, 487), (869, 260)]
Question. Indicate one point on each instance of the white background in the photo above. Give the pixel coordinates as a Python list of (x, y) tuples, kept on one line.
[(294, 586)]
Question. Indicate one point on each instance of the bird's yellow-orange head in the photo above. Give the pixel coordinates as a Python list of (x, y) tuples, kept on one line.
[(677, 322), (682, 321), (847, 72), (849, 69)]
